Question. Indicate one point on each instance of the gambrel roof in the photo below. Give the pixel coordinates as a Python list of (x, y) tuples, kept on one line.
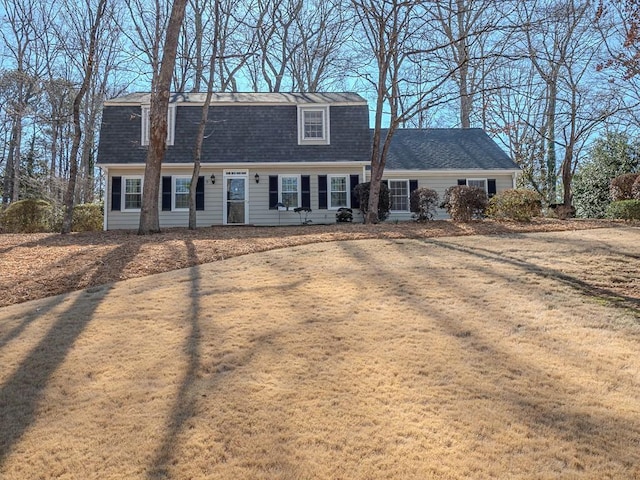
[(241, 128)]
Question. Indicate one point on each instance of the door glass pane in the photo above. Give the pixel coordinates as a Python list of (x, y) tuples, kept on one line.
[(235, 200)]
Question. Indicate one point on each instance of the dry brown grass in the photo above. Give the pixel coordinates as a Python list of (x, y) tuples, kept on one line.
[(40, 265), (448, 358)]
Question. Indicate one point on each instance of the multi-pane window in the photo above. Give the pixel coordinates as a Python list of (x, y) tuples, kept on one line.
[(146, 124), (313, 125), (290, 191), (181, 193), (338, 191), (477, 182), (132, 193), (399, 191)]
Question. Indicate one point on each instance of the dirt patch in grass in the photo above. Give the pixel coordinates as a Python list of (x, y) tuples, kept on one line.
[(40, 265), (510, 356)]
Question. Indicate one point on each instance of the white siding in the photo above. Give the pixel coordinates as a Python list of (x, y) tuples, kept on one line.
[(440, 182), (258, 194), (260, 214), (258, 198)]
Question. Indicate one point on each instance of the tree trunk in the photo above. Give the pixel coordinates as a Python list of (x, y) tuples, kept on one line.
[(69, 197), (12, 173), (552, 178), (197, 156), (149, 215)]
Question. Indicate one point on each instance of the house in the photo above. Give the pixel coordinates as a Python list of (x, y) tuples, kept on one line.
[(265, 154)]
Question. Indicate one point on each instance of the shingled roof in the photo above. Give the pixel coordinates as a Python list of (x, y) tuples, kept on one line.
[(446, 149), (334, 98)]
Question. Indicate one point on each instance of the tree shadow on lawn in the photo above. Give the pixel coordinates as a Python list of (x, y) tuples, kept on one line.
[(549, 412), (615, 299), (186, 402), (21, 393), (195, 381), (36, 312)]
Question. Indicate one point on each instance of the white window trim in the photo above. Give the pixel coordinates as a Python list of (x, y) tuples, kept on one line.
[(123, 194), (299, 183), (329, 205), (325, 140), (146, 124), (174, 193), (486, 183), (406, 182)]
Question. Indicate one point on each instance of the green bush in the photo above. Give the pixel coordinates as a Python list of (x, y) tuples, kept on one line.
[(88, 217), (621, 187), (384, 200), (344, 215), (423, 203), (624, 210), (464, 203), (515, 204), (28, 216)]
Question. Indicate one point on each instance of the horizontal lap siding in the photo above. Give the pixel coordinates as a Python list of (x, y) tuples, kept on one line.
[(439, 183), (260, 214), (211, 215), (258, 197)]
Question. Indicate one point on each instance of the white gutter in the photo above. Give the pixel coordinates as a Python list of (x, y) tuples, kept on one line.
[(106, 196), (248, 165)]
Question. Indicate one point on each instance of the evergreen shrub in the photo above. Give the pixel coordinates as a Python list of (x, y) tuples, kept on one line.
[(624, 210), (384, 200), (515, 204), (88, 217), (28, 216)]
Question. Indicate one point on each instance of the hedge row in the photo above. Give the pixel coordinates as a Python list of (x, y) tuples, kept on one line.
[(32, 216)]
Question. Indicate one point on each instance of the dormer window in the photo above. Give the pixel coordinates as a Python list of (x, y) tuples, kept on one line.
[(313, 125), (146, 124)]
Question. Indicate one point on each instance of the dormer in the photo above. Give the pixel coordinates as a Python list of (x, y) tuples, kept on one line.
[(146, 124), (313, 124)]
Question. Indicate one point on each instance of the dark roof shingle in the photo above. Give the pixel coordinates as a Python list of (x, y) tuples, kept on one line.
[(446, 149)]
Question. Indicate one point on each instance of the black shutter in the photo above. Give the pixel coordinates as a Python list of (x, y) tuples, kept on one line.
[(322, 192), (273, 192), (491, 187), (386, 182), (200, 194), (166, 194), (413, 185), (116, 193), (306, 191), (462, 181), (353, 182)]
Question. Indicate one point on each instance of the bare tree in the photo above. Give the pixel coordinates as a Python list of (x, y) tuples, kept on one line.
[(149, 216), (25, 21), (148, 22), (390, 30), (96, 19), (197, 151), (322, 33), (476, 36)]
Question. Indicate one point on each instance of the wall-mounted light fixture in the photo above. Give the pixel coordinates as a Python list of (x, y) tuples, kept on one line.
[(213, 179), (257, 177)]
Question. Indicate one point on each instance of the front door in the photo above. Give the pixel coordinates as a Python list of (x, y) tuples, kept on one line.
[(235, 200)]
